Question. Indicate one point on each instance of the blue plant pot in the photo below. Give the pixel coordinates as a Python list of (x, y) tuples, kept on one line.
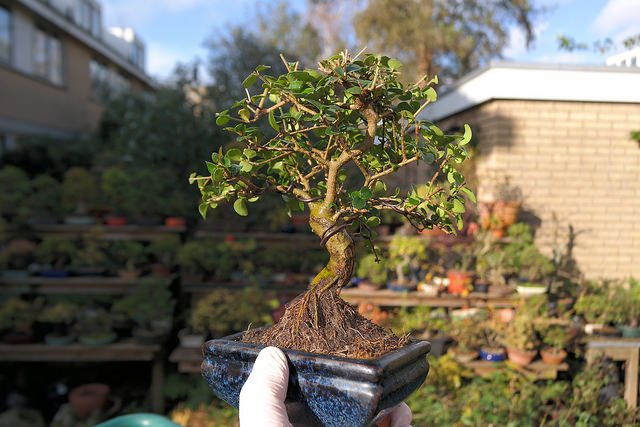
[(323, 390), (492, 356), (54, 273)]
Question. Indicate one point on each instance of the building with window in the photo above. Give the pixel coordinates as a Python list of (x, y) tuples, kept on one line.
[(58, 67)]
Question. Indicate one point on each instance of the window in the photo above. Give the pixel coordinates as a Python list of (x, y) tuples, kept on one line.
[(88, 17), (99, 80), (136, 56), (47, 57), (5, 34)]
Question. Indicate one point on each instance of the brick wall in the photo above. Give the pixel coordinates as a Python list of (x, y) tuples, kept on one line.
[(573, 159)]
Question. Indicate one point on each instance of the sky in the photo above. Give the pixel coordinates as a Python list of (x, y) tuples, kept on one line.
[(176, 30)]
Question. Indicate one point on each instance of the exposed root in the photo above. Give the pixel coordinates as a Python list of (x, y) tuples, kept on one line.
[(328, 325)]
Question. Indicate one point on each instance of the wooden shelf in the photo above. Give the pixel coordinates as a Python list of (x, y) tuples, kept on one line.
[(69, 285), (390, 298), (188, 359), (538, 368), (127, 350), (125, 232), (192, 287), (290, 238)]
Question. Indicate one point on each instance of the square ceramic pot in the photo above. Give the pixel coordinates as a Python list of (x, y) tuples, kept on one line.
[(323, 390)]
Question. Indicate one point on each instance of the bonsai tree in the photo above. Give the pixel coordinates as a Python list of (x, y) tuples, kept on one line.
[(60, 314), (555, 337), (91, 258), (15, 189), (17, 255), (55, 253), (128, 255), (164, 251), (44, 200), (350, 115), (467, 334), (372, 270), (201, 259), (118, 189), (79, 191), (18, 316), (223, 311), (406, 255), (150, 304)]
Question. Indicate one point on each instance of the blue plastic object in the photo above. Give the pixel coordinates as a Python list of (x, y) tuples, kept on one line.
[(139, 420)]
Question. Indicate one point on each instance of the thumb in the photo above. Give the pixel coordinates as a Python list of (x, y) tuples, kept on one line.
[(263, 394)]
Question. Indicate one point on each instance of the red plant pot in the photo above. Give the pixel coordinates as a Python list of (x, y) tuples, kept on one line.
[(521, 357), (116, 221), (459, 281), (175, 222), (88, 398), (507, 212)]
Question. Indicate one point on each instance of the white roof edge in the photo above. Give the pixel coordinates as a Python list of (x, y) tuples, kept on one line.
[(44, 10), (542, 82)]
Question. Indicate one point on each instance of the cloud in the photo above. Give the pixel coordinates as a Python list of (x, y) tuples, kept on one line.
[(618, 19), (518, 42)]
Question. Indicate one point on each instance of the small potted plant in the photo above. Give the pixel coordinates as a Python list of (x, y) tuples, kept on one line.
[(118, 187), (176, 209), (17, 318), (199, 260), (468, 336), (147, 197), (424, 323), (406, 255), (16, 258), (372, 273), (555, 337), (95, 327), (55, 254), (461, 276), (492, 349), (595, 305), (626, 300), (521, 340), (507, 205), (15, 190), (60, 315), (44, 200), (127, 256), (222, 311), (163, 251), (91, 257), (79, 194), (151, 307)]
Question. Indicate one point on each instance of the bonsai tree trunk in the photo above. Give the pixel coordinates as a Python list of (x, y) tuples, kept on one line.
[(319, 321)]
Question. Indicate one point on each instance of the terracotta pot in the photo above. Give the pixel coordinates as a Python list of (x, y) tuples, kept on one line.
[(175, 222), (551, 357), (459, 281), (88, 398), (116, 221), (521, 357), (507, 212), (160, 270)]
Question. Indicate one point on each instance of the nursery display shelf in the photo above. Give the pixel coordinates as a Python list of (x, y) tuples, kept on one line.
[(192, 287), (68, 285), (125, 232), (188, 359), (538, 368), (390, 298), (306, 238), (127, 350)]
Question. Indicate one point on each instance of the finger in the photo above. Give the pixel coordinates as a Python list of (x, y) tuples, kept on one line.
[(401, 416), (263, 394)]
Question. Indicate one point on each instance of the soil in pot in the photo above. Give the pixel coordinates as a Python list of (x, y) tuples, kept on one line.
[(521, 357), (553, 356)]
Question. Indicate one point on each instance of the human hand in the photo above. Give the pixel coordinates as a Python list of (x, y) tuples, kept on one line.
[(263, 394)]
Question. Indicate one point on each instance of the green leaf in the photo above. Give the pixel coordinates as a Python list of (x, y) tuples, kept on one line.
[(469, 194), (272, 121), (459, 223), (244, 114), (394, 64), (222, 120), (211, 167), (234, 154), (249, 153), (246, 167), (240, 206), (355, 90), (373, 221), (458, 207), (262, 67), (380, 187), (340, 71), (365, 193), (431, 94), (249, 81), (202, 208), (358, 202), (467, 135)]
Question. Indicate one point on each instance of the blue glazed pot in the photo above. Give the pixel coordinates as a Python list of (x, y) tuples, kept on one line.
[(492, 356), (323, 390)]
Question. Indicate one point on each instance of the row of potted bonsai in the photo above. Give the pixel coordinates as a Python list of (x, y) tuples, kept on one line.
[(120, 197), (485, 264)]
